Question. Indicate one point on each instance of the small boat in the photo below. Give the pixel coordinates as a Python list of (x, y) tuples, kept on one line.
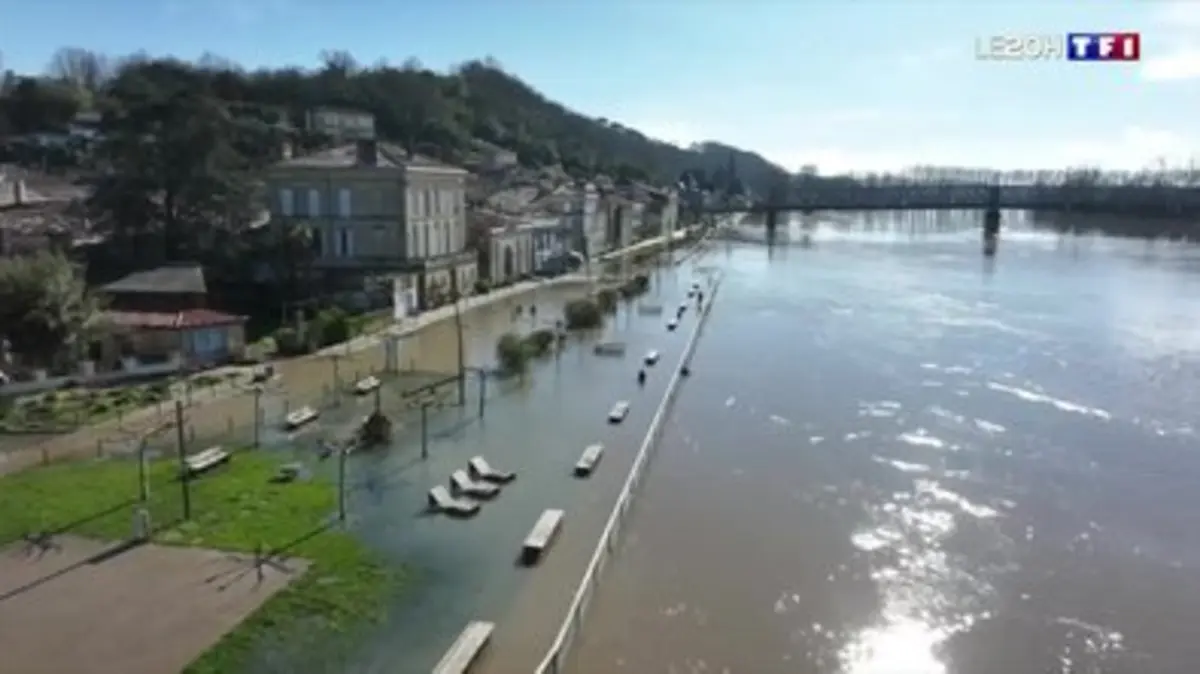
[(300, 417), (651, 357), (367, 384), (610, 349), (618, 413)]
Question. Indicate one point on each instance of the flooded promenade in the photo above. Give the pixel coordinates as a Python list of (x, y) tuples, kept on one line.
[(467, 569), (896, 458)]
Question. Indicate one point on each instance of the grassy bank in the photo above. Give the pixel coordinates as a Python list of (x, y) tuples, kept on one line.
[(237, 509)]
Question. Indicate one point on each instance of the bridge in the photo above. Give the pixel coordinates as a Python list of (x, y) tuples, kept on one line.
[(839, 196), (1161, 199)]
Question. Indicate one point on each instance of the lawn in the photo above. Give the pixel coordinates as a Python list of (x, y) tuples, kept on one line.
[(235, 508)]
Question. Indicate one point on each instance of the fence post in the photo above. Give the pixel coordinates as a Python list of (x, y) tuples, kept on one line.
[(379, 399), (424, 430), (185, 492)]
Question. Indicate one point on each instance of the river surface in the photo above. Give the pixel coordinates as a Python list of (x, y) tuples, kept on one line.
[(894, 457)]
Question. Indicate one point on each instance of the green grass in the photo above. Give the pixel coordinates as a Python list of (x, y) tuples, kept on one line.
[(235, 508)]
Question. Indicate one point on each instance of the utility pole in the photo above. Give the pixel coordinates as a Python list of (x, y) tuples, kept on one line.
[(257, 414), (462, 359), (342, 452), (185, 491), (424, 430)]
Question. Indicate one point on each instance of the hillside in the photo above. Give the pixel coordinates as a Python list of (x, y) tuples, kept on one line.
[(439, 113)]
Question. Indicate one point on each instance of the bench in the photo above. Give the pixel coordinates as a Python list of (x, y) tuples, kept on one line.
[(672, 324), (463, 484), (367, 385), (441, 500), (588, 460), (300, 417), (541, 535), (202, 462), (609, 349), (465, 648), (618, 412), (651, 357), (480, 468)]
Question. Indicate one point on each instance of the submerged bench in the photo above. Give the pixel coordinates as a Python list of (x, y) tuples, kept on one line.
[(651, 357), (441, 500), (541, 535), (367, 385), (202, 462), (480, 468), (672, 324), (465, 648), (463, 484), (618, 412), (588, 460), (300, 417)]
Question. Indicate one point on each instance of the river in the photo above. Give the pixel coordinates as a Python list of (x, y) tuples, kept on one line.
[(896, 457)]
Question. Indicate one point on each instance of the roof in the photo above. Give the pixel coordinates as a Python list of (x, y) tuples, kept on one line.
[(181, 278), (346, 156), (172, 320)]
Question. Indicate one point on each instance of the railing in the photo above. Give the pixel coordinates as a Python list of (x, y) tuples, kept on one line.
[(555, 659)]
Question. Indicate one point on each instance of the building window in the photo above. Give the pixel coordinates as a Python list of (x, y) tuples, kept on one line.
[(428, 243), (446, 238), (344, 202), (416, 250), (286, 205), (314, 203), (427, 196)]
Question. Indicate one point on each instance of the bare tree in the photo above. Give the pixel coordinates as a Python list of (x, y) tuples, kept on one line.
[(84, 68)]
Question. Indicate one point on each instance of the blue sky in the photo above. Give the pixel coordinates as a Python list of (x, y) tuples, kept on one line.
[(862, 84)]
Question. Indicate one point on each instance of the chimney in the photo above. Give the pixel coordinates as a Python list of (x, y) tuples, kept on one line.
[(19, 192), (368, 152)]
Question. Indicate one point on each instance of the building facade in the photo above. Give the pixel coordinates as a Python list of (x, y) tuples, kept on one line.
[(378, 219)]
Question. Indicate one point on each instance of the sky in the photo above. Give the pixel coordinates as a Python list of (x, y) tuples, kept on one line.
[(843, 84)]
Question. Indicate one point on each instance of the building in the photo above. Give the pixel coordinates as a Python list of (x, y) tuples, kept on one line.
[(583, 220), (160, 315), (510, 253), (380, 220), (340, 124), (40, 213)]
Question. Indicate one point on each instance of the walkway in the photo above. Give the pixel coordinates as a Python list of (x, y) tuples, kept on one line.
[(468, 568)]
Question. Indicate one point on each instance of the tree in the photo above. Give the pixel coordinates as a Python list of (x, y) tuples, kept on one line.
[(45, 308), (39, 105), (82, 68), (184, 167)]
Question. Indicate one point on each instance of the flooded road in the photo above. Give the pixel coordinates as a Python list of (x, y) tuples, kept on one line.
[(896, 458)]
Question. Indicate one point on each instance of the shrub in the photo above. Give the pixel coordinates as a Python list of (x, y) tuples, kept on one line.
[(331, 326), (289, 342), (635, 286), (539, 342), (606, 300), (482, 287), (512, 353), (582, 314)]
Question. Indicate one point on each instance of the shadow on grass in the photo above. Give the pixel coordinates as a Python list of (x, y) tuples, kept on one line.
[(44, 538), (265, 558)]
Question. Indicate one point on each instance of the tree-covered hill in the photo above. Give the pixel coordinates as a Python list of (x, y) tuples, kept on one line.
[(412, 105)]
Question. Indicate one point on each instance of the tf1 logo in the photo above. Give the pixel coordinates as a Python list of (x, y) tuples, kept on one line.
[(1071, 47)]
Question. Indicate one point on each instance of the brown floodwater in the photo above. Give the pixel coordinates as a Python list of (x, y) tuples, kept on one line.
[(894, 457)]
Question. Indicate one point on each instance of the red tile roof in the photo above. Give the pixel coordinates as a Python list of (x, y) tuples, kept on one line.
[(172, 320)]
